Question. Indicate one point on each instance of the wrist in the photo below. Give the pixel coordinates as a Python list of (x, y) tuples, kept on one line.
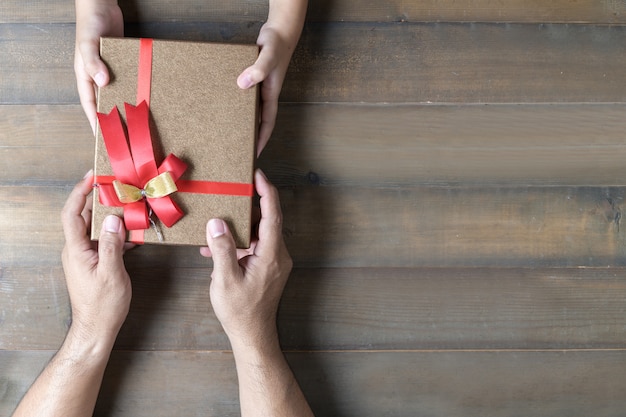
[(258, 355), (288, 34), (261, 344), (95, 3), (88, 9), (89, 344)]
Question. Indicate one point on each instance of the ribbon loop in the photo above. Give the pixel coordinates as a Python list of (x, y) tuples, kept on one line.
[(138, 182), (160, 186)]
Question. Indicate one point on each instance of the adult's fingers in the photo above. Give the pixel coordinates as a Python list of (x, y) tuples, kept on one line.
[(222, 248), (86, 213), (111, 245), (241, 253), (271, 224), (74, 226)]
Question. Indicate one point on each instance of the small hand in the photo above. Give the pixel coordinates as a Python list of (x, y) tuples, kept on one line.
[(94, 18), (97, 282), (247, 284), (270, 69)]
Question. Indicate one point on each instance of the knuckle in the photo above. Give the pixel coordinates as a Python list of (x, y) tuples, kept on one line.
[(65, 254), (66, 215), (287, 261), (222, 248), (108, 246)]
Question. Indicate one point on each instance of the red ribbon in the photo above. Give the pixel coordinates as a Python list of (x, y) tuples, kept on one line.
[(144, 70), (133, 163)]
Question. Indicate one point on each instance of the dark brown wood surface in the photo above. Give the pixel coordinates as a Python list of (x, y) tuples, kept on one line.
[(532, 11), (452, 259), (382, 227), (361, 383), (389, 309), (388, 145), (378, 62)]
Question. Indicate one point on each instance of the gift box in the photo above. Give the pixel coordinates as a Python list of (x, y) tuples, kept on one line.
[(173, 109)]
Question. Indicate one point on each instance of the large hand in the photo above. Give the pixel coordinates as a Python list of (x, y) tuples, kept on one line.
[(269, 68), (97, 282), (247, 285), (94, 18), (99, 290)]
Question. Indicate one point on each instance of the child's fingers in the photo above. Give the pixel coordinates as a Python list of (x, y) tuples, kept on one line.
[(90, 54), (259, 71)]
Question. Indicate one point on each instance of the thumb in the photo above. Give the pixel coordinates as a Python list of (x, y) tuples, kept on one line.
[(111, 244), (257, 72), (223, 250), (90, 53)]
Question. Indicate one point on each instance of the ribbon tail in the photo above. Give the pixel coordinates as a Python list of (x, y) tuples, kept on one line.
[(115, 142), (140, 141), (136, 236), (136, 216), (166, 210)]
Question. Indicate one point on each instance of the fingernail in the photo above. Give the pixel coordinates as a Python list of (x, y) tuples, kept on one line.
[(246, 82), (262, 173), (88, 174), (112, 224), (99, 79), (216, 228)]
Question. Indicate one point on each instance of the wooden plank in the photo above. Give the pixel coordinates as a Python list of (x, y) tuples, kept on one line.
[(457, 63), (37, 64), (380, 227), (43, 144), (378, 145), (465, 226), (451, 384), (354, 62), (38, 68), (353, 308), (62, 11), (387, 145), (530, 11)]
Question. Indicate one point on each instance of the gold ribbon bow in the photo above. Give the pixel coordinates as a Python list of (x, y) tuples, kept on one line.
[(159, 186)]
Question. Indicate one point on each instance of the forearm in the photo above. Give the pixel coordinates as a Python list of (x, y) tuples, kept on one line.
[(267, 386), (92, 4), (69, 384), (86, 8), (287, 18)]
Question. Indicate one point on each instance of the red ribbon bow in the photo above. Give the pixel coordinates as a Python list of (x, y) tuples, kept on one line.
[(133, 163)]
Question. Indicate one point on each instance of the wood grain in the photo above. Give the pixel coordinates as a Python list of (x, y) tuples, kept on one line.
[(376, 62), (386, 145), (388, 308), (375, 145), (531, 11), (454, 384), (451, 260), (381, 227), (457, 63)]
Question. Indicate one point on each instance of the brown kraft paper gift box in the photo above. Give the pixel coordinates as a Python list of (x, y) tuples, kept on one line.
[(199, 114)]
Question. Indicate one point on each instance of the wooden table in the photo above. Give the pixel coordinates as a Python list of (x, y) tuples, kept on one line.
[(452, 176)]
